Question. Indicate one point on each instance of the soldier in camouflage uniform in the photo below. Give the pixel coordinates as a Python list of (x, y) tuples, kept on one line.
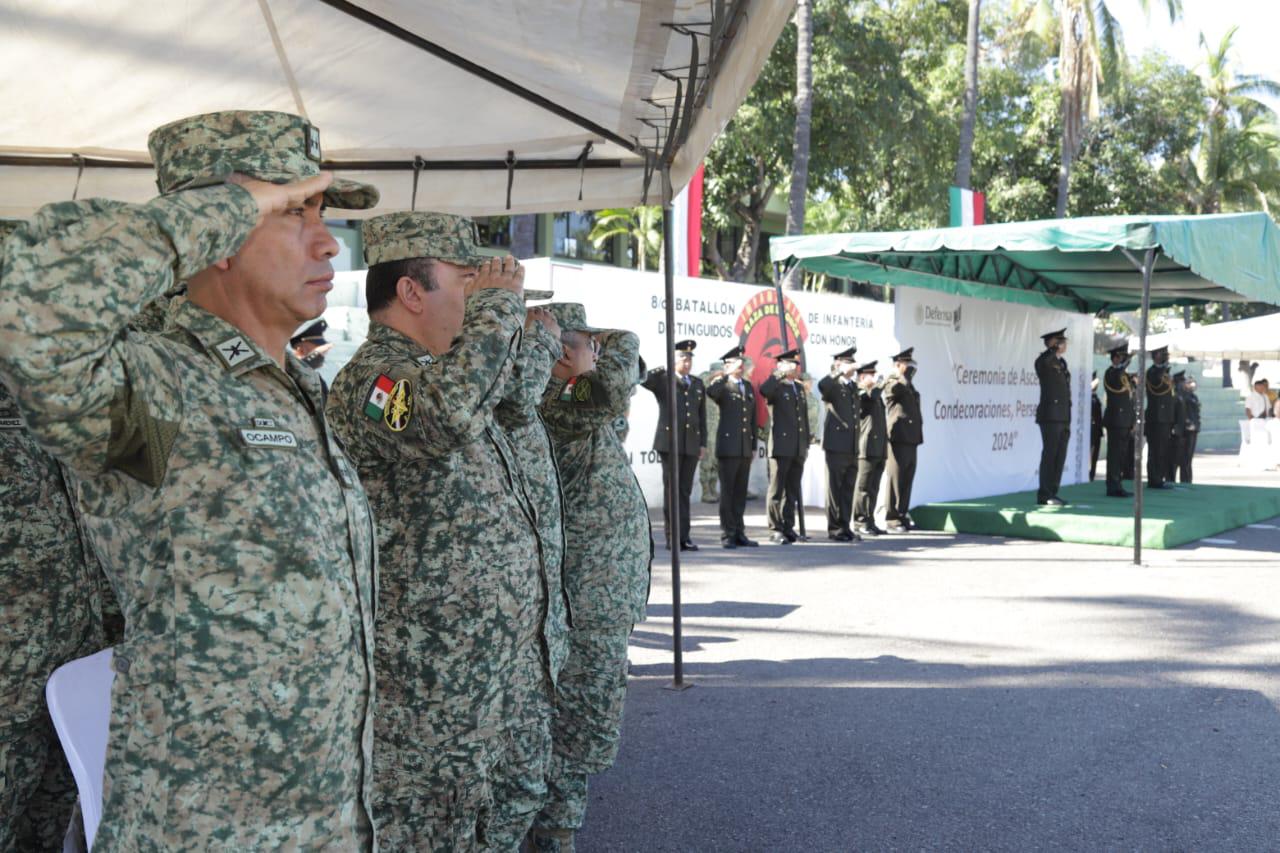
[(608, 549), (241, 709), (465, 699), (709, 467), (49, 614)]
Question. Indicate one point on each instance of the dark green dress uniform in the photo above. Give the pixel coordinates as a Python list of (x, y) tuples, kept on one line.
[(691, 415), (1095, 431), (1054, 417), (840, 445), (1159, 420), (906, 433), (735, 448), (788, 447), (1118, 420), (1179, 430), (1190, 432), (873, 445)]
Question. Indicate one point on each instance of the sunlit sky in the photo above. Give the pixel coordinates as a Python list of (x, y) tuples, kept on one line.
[(1256, 49)]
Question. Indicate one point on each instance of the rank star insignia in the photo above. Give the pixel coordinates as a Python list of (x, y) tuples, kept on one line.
[(234, 351)]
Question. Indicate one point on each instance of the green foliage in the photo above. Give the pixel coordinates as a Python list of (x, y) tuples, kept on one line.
[(641, 226)]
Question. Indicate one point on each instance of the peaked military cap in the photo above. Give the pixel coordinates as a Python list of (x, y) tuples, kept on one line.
[(571, 316), (1163, 349), (686, 346), (1061, 333), (421, 234), (789, 355), (736, 352), (204, 150), (907, 354), (1123, 349), (1180, 376), (313, 332), (845, 355), (869, 367)]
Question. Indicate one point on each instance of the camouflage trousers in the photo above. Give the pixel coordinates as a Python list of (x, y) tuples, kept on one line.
[(458, 798), (709, 477), (593, 686), (37, 792)]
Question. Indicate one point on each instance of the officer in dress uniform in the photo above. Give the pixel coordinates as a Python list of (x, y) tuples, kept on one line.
[(735, 445), (873, 444), (1179, 432), (1118, 419), (788, 444), (1191, 431), (906, 434), (1159, 419), (691, 415), (1053, 415), (839, 393), (1095, 427)]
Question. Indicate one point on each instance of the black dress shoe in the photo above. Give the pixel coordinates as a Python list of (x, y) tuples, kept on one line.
[(747, 543), (779, 539), (791, 535), (1120, 494), (1052, 502), (728, 543), (840, 537), (688, 545)]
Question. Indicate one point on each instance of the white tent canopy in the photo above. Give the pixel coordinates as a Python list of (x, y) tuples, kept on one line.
[(562, 104), (1255, 338)]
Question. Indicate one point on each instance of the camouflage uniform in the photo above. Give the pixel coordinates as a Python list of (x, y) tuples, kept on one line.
[(461, 646), (518, 415), (241, 711), (608, 549), (709, 465), (49, 614)]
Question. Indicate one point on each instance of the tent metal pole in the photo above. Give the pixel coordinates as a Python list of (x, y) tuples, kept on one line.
[(673, 455), (1148, 263)]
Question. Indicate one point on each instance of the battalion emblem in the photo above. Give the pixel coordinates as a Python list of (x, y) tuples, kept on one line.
[(234, 350), (399, 407), (582, 390)]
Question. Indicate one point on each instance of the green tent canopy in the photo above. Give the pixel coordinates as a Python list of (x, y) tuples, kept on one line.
[(1072, 264)]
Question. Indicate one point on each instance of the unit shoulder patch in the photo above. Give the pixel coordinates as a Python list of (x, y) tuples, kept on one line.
[(399, 407), (233, 351)]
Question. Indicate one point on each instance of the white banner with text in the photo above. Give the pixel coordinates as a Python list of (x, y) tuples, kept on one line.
[(979, 392)]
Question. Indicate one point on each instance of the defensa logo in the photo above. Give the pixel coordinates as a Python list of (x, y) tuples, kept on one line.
[(931, 315)]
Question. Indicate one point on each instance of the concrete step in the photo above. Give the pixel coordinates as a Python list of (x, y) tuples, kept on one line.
[(1219, 440)]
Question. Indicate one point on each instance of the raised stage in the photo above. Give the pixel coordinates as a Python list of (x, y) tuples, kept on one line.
[(1170, 517)]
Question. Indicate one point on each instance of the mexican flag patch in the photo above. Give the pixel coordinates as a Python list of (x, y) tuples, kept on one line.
[(567, 393), (377, 403)]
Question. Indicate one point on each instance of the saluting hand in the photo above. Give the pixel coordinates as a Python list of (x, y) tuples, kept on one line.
[(278, 198), (543, 316), (499, 274)]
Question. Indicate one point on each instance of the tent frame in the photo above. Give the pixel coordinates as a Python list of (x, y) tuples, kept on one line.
[(1145, 266)]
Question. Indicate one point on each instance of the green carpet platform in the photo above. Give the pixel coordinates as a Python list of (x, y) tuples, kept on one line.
[(1170, 517)]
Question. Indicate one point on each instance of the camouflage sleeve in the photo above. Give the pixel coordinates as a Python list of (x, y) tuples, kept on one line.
[(596, 398), (445, 403), (524, 388), (74, 277)]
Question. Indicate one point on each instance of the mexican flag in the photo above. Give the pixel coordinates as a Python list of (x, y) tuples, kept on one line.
[(967, 207), (377, 402)]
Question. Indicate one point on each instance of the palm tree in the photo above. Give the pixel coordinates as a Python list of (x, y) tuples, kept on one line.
[(1236, 158), (1089, 50), (964, 159), (642, 226), (804, 121)]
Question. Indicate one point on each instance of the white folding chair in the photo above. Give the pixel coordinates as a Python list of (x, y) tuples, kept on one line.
[(79, 697)]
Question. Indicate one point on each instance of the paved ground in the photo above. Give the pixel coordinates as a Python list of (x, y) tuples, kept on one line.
[(940, 692)]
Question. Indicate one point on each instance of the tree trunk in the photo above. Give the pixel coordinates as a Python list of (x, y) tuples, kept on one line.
[(524, 230), (804, 120), (964, 159)]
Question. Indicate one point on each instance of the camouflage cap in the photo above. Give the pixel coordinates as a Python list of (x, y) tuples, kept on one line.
[(538, 295), (7, 227), (571, 316), (278, 147), (421, 234)]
